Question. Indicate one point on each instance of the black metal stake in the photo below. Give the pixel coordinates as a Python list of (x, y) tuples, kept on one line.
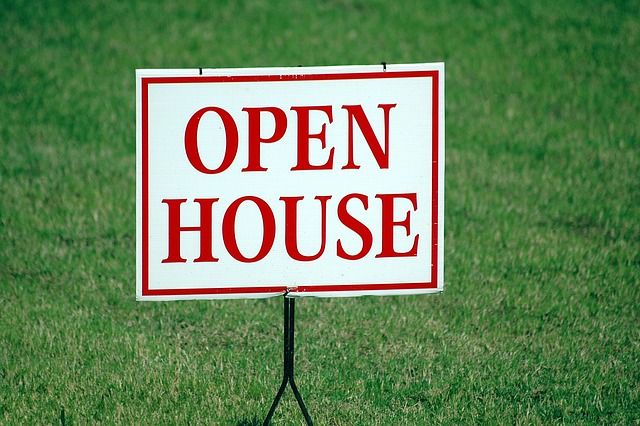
[(289, 321)]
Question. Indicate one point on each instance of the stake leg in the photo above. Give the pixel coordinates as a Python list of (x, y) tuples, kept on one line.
[(289, 333), (276, 401)]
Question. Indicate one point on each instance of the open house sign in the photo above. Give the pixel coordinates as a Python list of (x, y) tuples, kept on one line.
[(319, 181)]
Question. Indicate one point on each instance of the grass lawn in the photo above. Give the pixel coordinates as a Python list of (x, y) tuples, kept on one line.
[(539, 321)]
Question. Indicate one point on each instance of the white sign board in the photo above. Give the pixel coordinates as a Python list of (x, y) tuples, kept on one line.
[(316, 181)]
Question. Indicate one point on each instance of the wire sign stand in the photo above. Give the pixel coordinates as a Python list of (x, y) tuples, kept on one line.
[(289, 322)]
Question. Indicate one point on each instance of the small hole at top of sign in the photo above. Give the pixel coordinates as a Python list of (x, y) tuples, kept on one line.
[(384, 66), (200, 71)]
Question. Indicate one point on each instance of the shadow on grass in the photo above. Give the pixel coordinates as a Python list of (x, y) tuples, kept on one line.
[(254, 421)]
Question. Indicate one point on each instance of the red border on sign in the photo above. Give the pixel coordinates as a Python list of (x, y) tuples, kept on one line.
[(146, 81)]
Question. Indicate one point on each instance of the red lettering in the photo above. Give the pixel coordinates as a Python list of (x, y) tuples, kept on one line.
[(175, 229), (388, 224), (304, 137), (291, 227), (356, 226), (229, 229), (381, 155), (191, 140), (255, 139)]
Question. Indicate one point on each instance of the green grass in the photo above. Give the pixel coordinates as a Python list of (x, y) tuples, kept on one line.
[(539, 322)]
